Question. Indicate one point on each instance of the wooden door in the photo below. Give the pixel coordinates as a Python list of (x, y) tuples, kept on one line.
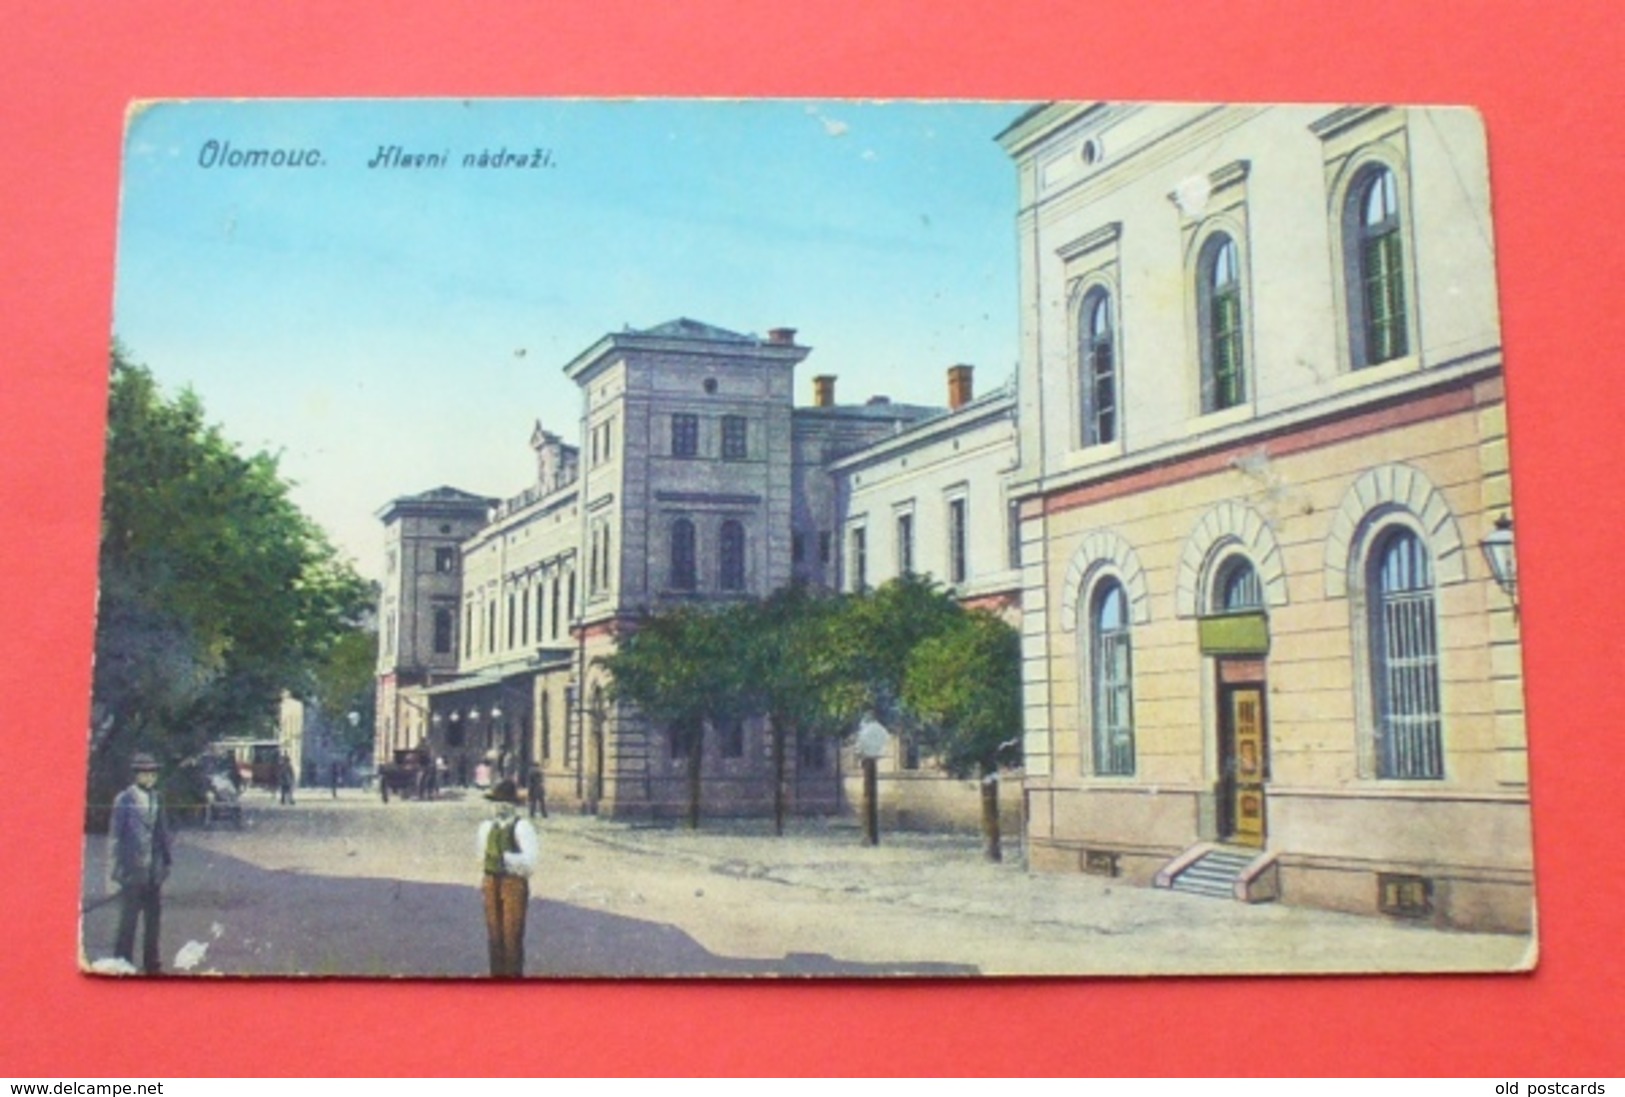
[(1246, 719)]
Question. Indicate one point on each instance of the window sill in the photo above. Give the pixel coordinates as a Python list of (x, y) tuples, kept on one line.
[(1215, 420), (1094, 455), (1384, 371)]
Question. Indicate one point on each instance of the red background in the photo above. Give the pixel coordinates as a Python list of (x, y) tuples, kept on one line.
[(1545, 76)]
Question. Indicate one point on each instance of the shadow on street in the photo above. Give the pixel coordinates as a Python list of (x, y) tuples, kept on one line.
[(252, 921)]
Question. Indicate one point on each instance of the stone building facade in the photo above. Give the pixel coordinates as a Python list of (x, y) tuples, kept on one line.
[(1263, 436), (696, 480), (1234, 499)]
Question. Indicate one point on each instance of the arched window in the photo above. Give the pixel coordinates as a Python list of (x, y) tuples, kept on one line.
[(1236, 588), (1111, 667), (683, 572), (1374, 250), (733, 556), (1219, 316), (1097, 368), (1404, 658)]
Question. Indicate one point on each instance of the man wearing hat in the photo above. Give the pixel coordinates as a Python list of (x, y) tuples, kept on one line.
[(141, 860), (508, 848)]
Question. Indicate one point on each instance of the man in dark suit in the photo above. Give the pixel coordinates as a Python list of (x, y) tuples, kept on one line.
[(141, 861)]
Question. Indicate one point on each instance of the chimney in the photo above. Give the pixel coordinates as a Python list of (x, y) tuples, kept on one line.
[(959, 386), (781, 337), (824, 390)]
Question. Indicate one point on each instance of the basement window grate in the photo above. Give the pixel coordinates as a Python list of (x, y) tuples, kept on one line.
[(1407, 896), (1100, 862)]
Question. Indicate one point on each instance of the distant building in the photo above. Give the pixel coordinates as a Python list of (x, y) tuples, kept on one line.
[(1262, 438), (696, 480)]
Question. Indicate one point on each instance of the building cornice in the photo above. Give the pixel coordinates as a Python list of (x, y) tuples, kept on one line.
[(1382, 399), (999, 403), (583, 366)]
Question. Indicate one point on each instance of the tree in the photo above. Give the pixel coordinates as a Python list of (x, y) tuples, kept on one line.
[(965, 684), (684, 668), (345, 682), (873, 638), (794, 678), (217, 593)]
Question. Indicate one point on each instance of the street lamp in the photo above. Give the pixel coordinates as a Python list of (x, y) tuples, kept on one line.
[(873, 742), (1502, 556)]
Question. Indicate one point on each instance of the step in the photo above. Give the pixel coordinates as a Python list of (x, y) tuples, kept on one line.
[(1215, 874), (1203, 887)]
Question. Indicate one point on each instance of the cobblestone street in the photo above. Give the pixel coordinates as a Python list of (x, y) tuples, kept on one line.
[(356, 887)]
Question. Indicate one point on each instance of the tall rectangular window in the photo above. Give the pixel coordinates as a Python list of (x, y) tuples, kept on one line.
[(442, 631), (1013, 532), (733, 555), (860, 560), (733, 438), (684, 569), (685, 435), (445, 560), (491, 626), (957, 568), (905, 544), (553, 627), (512, 623), (468, 630)]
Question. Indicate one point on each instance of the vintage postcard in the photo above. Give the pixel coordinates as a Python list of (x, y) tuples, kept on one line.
[(582, 538)]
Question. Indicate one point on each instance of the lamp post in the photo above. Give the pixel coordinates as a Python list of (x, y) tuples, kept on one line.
[(1501, 554), (873, 741)]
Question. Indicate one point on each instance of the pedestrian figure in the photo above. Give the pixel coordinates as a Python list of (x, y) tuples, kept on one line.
[(284, 780), (141, 861), (508, 848), (333, 779), (536, 792)]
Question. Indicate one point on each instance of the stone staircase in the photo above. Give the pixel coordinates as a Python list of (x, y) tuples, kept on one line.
[(1222, 872)]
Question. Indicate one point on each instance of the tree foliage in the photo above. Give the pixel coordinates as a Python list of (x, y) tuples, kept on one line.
[(217, 593), (964, 684), (811, 664), (795, 675), (345, 682), (685, 669), (875, 635)]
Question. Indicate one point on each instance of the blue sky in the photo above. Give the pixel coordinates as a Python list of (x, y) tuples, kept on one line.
[(389, 330)]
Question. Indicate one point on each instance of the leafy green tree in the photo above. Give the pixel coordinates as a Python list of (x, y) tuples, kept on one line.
[(217, 593), (873, 638), (965, 684), (345, 683), (685, 668), (795, 678)]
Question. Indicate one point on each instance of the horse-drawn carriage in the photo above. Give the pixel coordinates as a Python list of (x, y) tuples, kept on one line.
[(410, 775)]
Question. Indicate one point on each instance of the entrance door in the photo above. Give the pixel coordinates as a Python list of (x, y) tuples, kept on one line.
[(1245, 765)]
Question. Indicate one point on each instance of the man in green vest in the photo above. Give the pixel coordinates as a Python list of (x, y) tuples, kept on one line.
[(508, 847)]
